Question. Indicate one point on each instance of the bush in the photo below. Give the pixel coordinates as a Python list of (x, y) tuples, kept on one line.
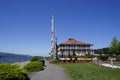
[(88, 56), (104, 57), (56, 61), (12, 72), (36, 58), (34, 66), (43, 62)]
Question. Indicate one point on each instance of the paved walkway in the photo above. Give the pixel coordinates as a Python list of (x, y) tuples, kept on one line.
[(51, 72)]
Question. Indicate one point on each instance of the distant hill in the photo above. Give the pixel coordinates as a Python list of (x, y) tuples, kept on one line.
[(102, 51), (11, 57)]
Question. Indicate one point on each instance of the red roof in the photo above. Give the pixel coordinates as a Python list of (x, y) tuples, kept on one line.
[(73, 41)]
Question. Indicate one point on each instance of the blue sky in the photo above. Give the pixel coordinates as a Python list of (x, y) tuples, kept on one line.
[(25, 25)]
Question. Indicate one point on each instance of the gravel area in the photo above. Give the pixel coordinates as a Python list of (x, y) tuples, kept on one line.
[(51, 72), (111, 66), (21, 64)]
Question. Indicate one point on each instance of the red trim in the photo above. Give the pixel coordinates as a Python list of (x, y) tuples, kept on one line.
[(73, 41)]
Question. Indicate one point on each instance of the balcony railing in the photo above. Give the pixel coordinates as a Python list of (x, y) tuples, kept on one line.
[(74, 48)]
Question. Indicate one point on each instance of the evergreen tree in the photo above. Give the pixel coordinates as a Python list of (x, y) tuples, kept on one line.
[(119, 48), (115, 47)]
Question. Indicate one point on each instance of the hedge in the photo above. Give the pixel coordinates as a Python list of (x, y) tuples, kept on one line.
[(34, 66), (35, 58), (12, 72)]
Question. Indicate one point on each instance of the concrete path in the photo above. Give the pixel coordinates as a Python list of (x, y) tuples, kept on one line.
[(51, 72)]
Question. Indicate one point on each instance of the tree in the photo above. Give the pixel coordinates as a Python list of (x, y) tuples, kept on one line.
[(115, 47), (119, 48)]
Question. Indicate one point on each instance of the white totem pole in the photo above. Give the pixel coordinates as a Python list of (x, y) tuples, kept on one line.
[(53, 41)]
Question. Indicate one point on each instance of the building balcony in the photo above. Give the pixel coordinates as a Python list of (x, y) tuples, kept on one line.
[(73, 48)]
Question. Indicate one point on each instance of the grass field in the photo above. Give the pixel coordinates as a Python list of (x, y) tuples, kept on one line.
[(88, 71)]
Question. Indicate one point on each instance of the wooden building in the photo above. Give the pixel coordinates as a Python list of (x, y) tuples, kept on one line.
[(73, 47)]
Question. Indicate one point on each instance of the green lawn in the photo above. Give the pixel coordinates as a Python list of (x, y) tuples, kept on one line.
[(88, 71)]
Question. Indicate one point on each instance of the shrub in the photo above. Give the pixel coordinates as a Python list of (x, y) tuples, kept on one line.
[(88, 56), (34, 66), (56, 61), (104, 57), (36, 58), (43, 62), (12, 72)]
